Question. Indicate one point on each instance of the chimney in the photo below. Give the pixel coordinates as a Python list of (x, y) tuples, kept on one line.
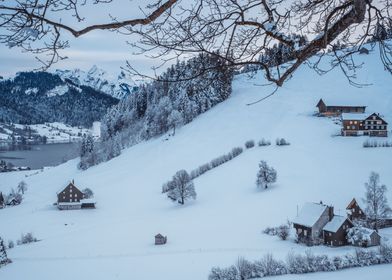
[(330, 212), (73, 183)]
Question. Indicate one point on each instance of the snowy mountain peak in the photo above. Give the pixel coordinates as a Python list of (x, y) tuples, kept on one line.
[(99, 79)]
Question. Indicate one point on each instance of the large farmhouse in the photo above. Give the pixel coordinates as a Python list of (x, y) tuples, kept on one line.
[(336, 110), (71, 198), (362, 124)]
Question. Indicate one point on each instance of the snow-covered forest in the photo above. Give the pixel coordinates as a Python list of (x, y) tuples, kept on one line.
[(162, 106)]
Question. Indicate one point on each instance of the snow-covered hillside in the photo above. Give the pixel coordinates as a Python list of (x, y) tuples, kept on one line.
[(100, 80), (115, 241)]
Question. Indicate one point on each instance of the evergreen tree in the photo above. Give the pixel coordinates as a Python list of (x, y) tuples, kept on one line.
[(3, 254)]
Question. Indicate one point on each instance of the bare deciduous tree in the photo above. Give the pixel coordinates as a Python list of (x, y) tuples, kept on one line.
[(377, 207), (238, 31)]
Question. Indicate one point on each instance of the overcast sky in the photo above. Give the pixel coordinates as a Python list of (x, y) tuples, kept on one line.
[(107, 50)]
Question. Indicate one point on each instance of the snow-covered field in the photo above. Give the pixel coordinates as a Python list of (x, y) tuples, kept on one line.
[(115, 241), (55, 132)]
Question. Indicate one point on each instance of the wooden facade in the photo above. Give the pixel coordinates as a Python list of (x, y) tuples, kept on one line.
[(160, 239), (354, 211), (336, 110), (69, 198), (336, 234), (375, 126), (310, 231), (359, 124)]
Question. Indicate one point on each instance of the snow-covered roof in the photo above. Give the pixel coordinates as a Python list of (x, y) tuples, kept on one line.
[(335, 223), (310, 214), (341, 102), (359, 202), (354, 116)]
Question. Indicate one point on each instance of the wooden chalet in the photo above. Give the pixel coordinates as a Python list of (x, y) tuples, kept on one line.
[(335, 231), (362, 124), (310, 222), (71, 198), (375, 126), (355, 211), (336, 110), (160, 239)]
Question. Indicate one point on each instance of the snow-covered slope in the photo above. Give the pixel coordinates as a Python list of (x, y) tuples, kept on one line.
[(98, 79), (115, 241)]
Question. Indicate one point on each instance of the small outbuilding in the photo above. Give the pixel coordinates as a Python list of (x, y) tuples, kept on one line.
[(160, 239)]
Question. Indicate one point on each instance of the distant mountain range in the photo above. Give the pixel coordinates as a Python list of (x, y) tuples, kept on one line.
[(38, 97), (117, 86)]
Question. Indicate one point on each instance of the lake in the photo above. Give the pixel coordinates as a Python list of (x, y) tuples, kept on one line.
[(41, 155)]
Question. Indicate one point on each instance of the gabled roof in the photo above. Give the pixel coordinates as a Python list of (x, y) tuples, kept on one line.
[(336, 223), (338, 102), (70, 184), (159, 235), (354, 116), (352, 203), (310, 214), (377, 117)]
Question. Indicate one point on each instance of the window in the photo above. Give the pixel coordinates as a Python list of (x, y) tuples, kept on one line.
[(76, 195), (351, 122), (374, 117), (64, 197), (299, 230), (330, 234), (353, 127), (355, 122), (348, 127), (70, 195), (70, 190), (305, 232), (70, 200)]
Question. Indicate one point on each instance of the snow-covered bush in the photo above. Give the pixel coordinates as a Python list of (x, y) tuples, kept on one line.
[(266, 175), (282, 231), (245, 268), (264, 142), (27, 238), (385, 252), (249, 144), (11, 244), (87, 193), (230, 273), (375, 144), (14, 198), (281, 142), (268, 266), (236, 151)]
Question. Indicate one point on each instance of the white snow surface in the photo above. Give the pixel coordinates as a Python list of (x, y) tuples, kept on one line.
[(336, 222), (354, 116), (310, 213), (116, 240), (57, 91)]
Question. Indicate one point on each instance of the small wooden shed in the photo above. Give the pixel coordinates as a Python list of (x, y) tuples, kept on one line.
[(160, 239)]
